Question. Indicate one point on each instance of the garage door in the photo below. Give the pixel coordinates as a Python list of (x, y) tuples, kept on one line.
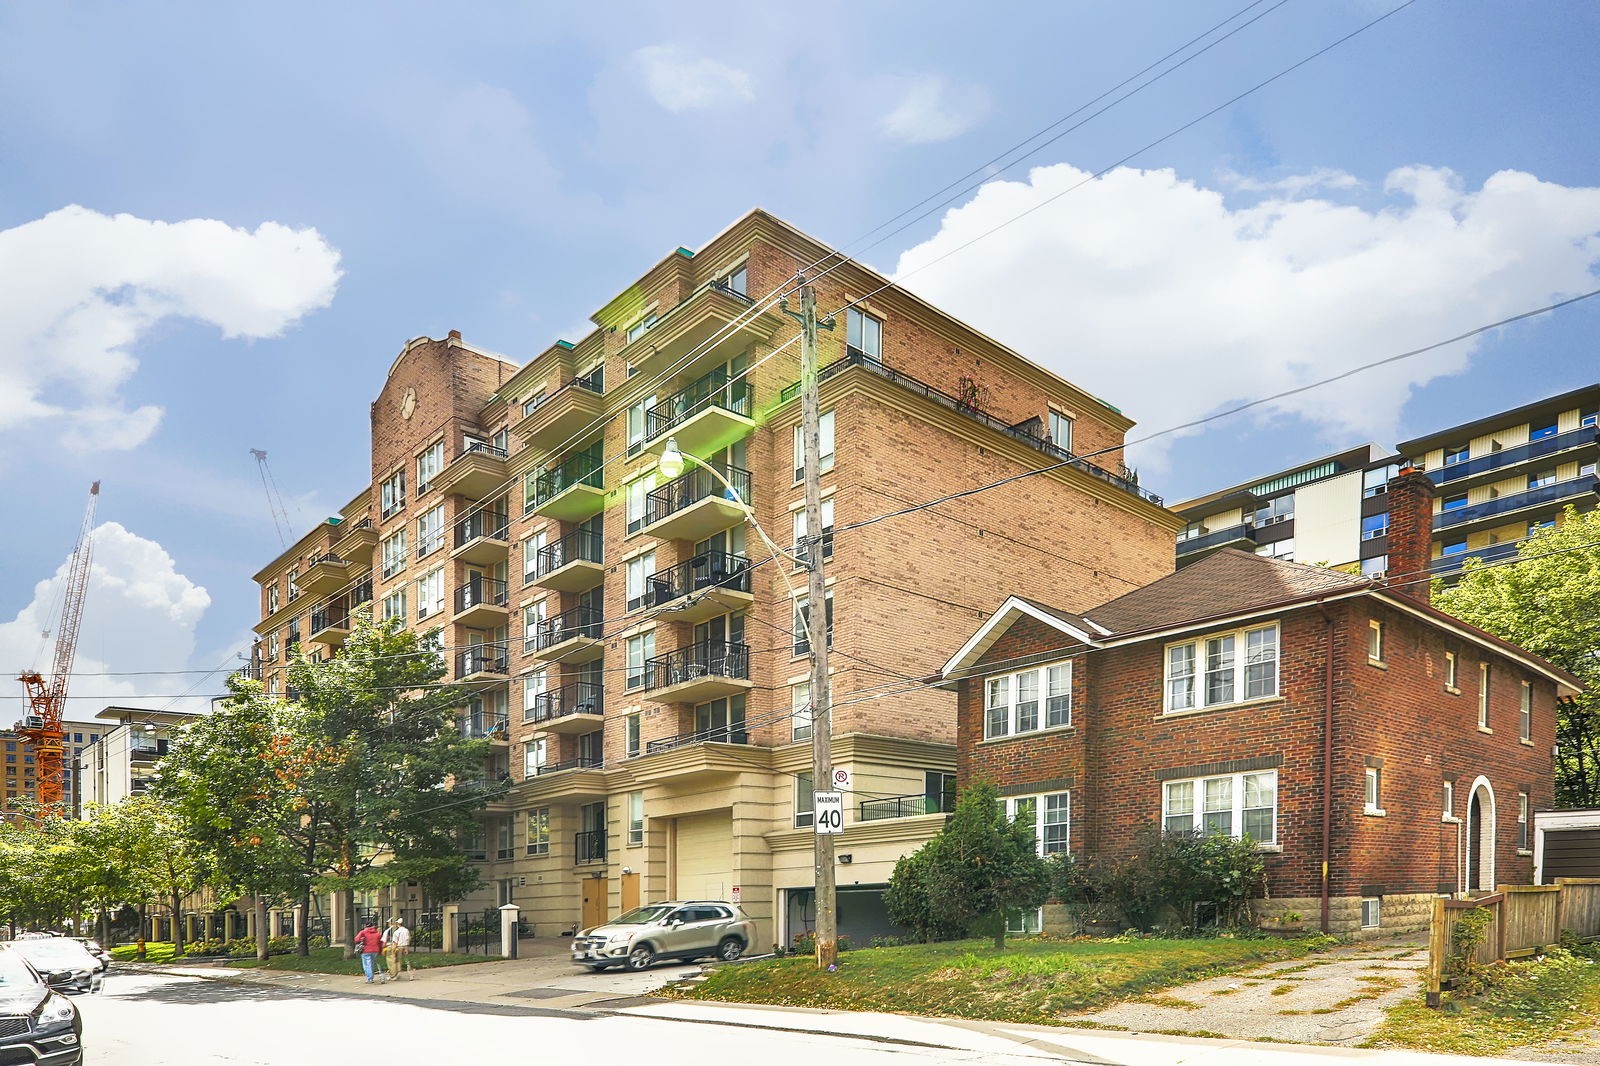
[(704, 856), (1571, 853)]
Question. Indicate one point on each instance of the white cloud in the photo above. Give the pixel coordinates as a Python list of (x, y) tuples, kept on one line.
[(1153, 293), (1292, 186), (140, 614), (83, 289), (930, 109), (682, 82)]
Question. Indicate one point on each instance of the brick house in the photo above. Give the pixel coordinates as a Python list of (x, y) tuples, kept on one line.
[(1344, 723)]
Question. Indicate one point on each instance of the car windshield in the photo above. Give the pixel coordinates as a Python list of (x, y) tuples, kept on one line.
[(643, 915), (53, 950), (14, 972)]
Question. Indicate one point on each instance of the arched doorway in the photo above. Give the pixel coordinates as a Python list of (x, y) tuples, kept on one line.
[(1480, 837)]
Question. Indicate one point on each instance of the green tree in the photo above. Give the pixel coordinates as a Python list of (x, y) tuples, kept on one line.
[(1548, 602)]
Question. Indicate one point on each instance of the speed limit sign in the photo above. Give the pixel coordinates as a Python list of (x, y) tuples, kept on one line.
[(828, 808)]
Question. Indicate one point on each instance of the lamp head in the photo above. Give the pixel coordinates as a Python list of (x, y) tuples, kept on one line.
[(672, 462)]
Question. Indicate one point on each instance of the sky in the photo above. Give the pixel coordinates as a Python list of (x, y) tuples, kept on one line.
[(220, 223)]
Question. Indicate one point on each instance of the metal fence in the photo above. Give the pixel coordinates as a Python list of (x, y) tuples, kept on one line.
[(1523, 920), (478, 933)]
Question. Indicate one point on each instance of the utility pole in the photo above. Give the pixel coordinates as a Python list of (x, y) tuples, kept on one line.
[(827, 929)]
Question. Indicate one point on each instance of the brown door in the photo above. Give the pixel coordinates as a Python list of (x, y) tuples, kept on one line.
[(594, 901), (630, 892)]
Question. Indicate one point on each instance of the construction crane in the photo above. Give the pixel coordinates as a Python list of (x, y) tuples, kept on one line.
[(41, 730)]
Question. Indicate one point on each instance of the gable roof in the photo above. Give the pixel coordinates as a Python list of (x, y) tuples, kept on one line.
[(1015, 608)]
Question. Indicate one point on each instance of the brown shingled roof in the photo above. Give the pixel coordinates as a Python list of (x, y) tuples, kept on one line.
[(1224, 583)]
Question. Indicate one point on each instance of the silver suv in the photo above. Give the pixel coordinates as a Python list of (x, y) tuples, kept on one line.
[(679, 929)]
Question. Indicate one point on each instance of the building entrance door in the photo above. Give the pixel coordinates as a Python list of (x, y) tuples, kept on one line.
[(594, 901)]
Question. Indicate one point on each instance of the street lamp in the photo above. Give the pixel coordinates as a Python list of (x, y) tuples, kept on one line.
[(672, 463)]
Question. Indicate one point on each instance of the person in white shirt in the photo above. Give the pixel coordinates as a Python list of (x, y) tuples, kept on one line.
[(396, 946)]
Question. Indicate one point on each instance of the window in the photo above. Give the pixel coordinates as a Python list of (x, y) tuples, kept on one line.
[(1247, 802), (1273, 511), (1375, 567), (272, 647), (394, 553), (1049, 815), (1541, 478), (1061, 431), (430, 531), (827, 530), (534, 753), (1450, 670), (1453, 503), (800, 710), (804, 802), (392, 493), (1522, 822), (532, 619), (635, 818), (1375, 640), (1370, 913), (534, 685), (1278, 549), (802, 622), (1590, 419), (863, 333), (639, 423), (1449, 799), (1534, 527), (1029, 701), (737, 280), (1483, 695), (272, 598), (1454, 548), (530, 555), (1525, 729), (394, 605), (1541, 432), (639, 570), (429, 463), (630, 728), (825, 447), (1228, 677), (1374, 795), (294, 583), (641, 327), (430, 594), (939, 789), (1375, 526), (640, 648), (539, 831), (1458, 454), (531, 404), (1376, 482), (1586, 470), (638, 490)]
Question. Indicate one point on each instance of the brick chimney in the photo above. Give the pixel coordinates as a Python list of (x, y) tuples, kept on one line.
[(1411, 495)]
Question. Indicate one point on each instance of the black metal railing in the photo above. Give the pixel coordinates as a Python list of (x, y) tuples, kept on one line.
[(707, 570), (577, 622), (1242, 531), (482, 659), (899, 807), (581, 545), (854, 357), (1562, 490), (712, 658), (580, 697), (362, 593), (329, 558), (481, 590), (705, 392), (592, 382), (718, 735), (582, 762), (333, 614), (1534, 449), (691, 488), (482, 447), (585, 468), (589, 847), (481, 525), (478, 726)]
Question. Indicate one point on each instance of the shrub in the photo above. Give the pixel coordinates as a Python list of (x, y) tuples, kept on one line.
[(206, 947), (240, 948), (1545, 989), (318, 942), (280, 945), (428, 938), (806, 943), (908, 902)]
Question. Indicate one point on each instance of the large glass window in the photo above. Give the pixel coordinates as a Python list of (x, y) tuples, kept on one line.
[(1376, 482), (1049, 815), (1236, 805), (429, 463), (394, 553), (1273, 511), (1061, 431), (825, 446), (638, 489), (640, 648), (800, 710), (392, 493), (827, 529), (635, 818), (1029, 700), (1374, 526), (638, 579), (530, 554), (430, 531), (802, 616), (430, 594), (1227, 677), (863, 333), (804, 809), (539, 831)]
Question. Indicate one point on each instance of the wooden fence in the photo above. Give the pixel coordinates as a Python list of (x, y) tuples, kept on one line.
[(1523, 920)]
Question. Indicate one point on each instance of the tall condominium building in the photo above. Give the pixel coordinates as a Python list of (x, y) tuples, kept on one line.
[(20, 782), (1499, 478), (123, 762), (636, 649)]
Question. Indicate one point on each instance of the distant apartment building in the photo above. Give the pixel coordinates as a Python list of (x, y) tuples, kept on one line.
[(1499, 478), (123, 762), (20, 782), (636, 652)]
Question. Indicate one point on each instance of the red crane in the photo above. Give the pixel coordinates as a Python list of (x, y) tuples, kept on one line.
[(41, 730)]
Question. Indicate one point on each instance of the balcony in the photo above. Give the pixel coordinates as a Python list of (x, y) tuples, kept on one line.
[(699, 673), (588, 848), (574, 708), (327, 573), (481, 538), (707, 585), (479, 471), (1486, 467), (1241, 536), (571, 564), (570, 780), (899, 807), (147, 751), (568, 411), (483, 727), (358, 543), (572, 636), (483, 662), (721, 735), (1451, 565), (711, 322), (572, 490), (481, 604), (1125, 480), (706, 417), (1578, 491), (696, 505), (330, 622)]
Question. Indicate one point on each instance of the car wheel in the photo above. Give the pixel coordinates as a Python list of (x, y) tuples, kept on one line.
[(730, 948), (641, 957)]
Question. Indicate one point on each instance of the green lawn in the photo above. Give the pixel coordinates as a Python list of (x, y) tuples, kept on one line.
[(329, 960), (1030, 981), (154, 951)]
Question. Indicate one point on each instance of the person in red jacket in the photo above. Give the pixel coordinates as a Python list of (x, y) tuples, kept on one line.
[(369, 942)]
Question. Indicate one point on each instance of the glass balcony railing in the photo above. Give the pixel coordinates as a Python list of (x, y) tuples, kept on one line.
[(1242, 531), (1561, 490), (1522, 453), (1494, 553)]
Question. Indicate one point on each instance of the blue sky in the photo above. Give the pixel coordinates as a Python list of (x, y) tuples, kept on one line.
[(503, 169)]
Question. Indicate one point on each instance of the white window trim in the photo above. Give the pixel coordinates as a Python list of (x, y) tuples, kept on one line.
[(1240, 645), (1375, 636), (635, 828), (1525, 714), (1377, 912), (1452, 676), (1237, 814), (1374, 777), (1483, 697), (538, 838), (1010, 806), (1042, 699)]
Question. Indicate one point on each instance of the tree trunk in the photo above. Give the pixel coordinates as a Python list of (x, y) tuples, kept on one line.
[(302, 945), (177, 923), (351, 923), (1000, 930), (261, 927)]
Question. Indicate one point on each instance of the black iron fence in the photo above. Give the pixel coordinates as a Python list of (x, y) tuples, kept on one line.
[(711, 569), (698, 484), (715, 658)]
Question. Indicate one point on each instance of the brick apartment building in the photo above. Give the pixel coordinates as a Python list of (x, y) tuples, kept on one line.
[(1333, 718), (631, 642)]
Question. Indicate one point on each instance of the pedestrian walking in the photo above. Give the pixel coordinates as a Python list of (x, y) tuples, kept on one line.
[(397, 946), (369, 942)]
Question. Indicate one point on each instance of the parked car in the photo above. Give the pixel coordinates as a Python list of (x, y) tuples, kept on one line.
[(93, 947), (65, 963), (37, 1023), (679, 929)]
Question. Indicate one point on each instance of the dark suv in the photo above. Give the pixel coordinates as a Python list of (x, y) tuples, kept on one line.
[(681, 929), (37, 1023)]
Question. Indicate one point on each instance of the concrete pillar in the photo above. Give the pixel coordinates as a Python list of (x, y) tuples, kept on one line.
[(339, 930), (229, 925), (155, 927), (447, 941), (210, 925), (250, 920), (508, 930), (274, 922), (299, 920)]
